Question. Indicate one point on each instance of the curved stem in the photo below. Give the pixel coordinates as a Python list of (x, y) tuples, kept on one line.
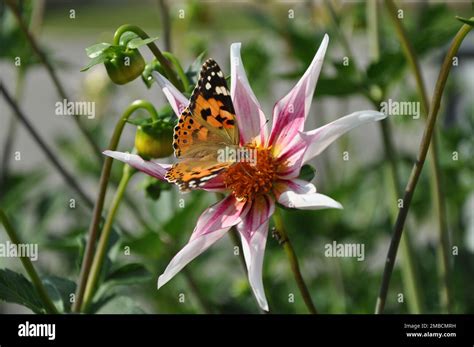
[(154, 49), (99, 204), (418, 166), (98, 260), (283, 239), (28, 265), (435, 177), (52, 73)]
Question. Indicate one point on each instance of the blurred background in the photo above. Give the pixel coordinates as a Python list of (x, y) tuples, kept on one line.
[(279, 39)]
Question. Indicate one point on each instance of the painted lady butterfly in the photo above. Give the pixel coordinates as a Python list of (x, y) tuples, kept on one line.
[(205, 126)]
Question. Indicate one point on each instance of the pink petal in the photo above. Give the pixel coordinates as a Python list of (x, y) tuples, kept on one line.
[(222, 215), (293, 156), (250, 118), (322, 137), (291, 111), (152, 168), (211, 226), (188, 253), (254, 231), (176, 99)]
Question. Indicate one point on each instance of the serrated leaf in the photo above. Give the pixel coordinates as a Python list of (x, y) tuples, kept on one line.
[(97, 49), (15, 288), (59, 290), (138, 42)]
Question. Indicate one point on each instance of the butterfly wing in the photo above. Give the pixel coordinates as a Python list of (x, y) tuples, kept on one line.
[(205, 126)]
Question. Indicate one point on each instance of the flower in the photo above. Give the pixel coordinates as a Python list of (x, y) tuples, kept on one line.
[(281, 153)]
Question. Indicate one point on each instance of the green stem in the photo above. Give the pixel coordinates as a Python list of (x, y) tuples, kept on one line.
[(283, 239), (409, 270), (418, 166), (52, 73), (165, 23), (98, 260), (154, 49), (11, 132), (435, 177), (28, 265), (99, 204), (179, 69)]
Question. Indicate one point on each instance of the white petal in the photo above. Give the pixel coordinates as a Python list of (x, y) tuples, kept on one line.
[(250, 118), (325, 135), (311, 201), (188, 253), (176, 99), (152, 168), (254, 252)]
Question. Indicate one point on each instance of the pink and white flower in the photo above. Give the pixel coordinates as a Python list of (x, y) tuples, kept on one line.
[(281, 153)]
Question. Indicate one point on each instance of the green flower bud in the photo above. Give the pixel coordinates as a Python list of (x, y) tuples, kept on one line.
[(125, 65), (154, 142)]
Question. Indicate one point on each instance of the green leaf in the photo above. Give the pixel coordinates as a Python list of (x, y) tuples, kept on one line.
[(15, 288), (128, 274), (192, 71), (307, 173), (120, 305), (60, 290), (95, 61), (97, 49), (469, 21), (138, 42)]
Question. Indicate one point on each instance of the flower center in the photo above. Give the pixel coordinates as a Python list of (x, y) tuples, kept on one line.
[(252, 176)]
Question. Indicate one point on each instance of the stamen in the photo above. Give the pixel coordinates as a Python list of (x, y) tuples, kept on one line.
[(247, 180)]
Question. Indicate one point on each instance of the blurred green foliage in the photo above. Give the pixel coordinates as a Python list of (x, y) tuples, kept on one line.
[(275, 49)]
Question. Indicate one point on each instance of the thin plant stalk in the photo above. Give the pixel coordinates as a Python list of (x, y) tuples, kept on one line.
[(165, 23), (99, 204), (53, 75), (69, 179), (435, 177), (418, 166), (411, 282), (99, 256), (285, 242), (12, 129), (28, 265)]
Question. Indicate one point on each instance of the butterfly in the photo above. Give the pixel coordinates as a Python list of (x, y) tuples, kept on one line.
[(206, 126)]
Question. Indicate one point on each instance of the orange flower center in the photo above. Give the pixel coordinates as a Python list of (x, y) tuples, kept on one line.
[(252, 176)]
